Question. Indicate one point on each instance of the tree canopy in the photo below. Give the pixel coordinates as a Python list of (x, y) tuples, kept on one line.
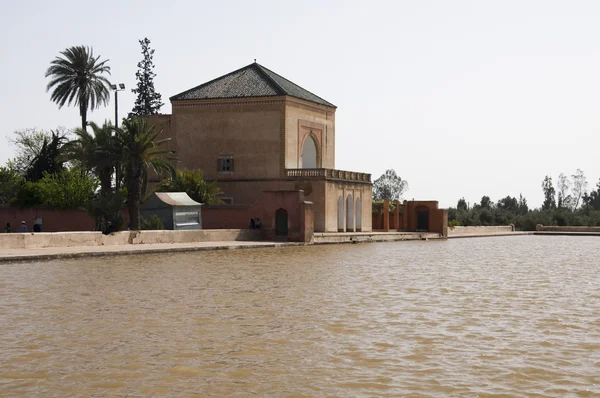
[(148, 101), (77, 78), (389, 186), (141, 152)]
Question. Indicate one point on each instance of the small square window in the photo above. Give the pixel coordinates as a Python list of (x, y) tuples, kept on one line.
[(225, 164)]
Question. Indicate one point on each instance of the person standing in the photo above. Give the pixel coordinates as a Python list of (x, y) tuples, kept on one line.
[(23, 227), (8, 228)]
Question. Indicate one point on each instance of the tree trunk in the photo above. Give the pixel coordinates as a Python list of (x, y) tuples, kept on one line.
[(117, 176), (105, 176), (134, 194), (83, 113)]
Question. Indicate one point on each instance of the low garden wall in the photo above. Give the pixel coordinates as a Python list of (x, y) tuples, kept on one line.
[(480, 230), (39, 240), (52, 220), (555, 228)]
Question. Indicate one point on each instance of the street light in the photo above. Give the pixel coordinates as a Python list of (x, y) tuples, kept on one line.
[(121, 88)]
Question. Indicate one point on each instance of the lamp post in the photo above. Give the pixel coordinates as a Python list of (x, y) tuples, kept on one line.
[(120, 88)]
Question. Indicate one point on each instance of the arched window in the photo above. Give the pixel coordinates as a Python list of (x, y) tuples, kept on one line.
[(340, 214), (309, 153), (358, 215), (349, 213)]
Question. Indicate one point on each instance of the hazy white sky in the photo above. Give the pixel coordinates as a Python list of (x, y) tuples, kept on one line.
[(461, 98)]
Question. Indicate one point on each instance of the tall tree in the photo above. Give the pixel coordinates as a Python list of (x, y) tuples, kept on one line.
[(148, 101), (508, 203), (486, 203), (523, 207), (76, 78), (579, 187), (563, 185), (141, 152), (389, 186), (594, 197), (549, 194)]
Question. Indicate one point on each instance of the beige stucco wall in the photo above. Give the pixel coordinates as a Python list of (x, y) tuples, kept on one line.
[(32, 240), (480, 230), (250, 130), (301, 116), (162, 124), (264, 136), (358, 191)]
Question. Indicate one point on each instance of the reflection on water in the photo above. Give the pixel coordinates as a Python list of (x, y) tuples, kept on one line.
[(465, 317)]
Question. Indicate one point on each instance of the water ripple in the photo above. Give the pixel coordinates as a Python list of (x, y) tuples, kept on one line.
[(511, 316)]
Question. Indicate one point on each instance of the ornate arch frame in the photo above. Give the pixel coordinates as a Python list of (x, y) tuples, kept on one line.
[(315, 132)]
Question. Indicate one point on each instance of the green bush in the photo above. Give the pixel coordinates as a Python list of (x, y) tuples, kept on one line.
[(152, 223), (377, 205), (108, 207), (454, 223), (68, 189)]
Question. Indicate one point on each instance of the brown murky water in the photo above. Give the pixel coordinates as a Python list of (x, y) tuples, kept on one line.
[(511, 316)]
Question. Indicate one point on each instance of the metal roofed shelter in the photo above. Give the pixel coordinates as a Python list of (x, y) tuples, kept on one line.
[(176, 210)]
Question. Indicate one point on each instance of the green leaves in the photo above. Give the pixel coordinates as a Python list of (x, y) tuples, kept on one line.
[(389, 186), (10, 184), (97, 153), (76, 78), (148, 101), (69, 189), (193, 183), (141, 152)]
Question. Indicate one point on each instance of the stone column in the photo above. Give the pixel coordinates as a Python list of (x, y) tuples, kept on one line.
[(396, 215), (386, 215)]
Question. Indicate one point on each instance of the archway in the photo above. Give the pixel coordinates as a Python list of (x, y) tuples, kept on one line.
[(358, 215), (340, 214), (349, 213), (281, 222), (309, 153), (422, 218)]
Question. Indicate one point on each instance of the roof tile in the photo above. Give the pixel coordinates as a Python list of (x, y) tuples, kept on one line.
[(253, 80)]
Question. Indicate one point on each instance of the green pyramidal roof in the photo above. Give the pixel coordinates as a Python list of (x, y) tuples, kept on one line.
[(253, 80)]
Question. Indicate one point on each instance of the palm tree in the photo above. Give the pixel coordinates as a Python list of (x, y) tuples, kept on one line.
[(193, 183), (77, 78), (97, 152), (141, 153), (48, 160)]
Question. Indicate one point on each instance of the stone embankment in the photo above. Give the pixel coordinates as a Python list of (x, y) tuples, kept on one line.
[(95, 239), (555, 228), (321, 238), (573, 231), (483, 231), (46, 246)]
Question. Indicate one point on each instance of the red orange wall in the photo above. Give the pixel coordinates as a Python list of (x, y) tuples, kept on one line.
[(300, 215), (52, 220)]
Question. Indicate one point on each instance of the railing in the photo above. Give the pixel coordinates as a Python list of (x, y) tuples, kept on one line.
[(328, 174)]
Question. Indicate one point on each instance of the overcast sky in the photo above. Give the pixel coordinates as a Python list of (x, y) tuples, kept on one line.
[(461, 98)]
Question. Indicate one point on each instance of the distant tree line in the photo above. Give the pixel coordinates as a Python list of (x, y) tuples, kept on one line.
[(567, 204)]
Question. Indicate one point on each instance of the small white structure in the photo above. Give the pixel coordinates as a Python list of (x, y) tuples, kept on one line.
[(176, 210)]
